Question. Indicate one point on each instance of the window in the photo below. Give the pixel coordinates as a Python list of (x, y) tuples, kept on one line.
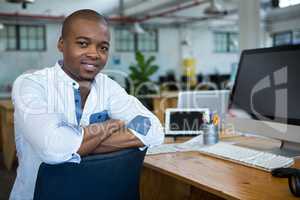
[(283, 38), (127, 41), (25, 37), (220, 42), (148, 41), (226, 42), (233, 43), (286, 38), (11, 43), (124, 40), (296, 37)]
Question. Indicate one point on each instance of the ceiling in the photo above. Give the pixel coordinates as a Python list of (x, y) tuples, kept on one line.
[(58, 7), (163, 12)]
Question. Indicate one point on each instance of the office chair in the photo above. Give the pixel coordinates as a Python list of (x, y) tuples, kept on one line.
[(111, 176)]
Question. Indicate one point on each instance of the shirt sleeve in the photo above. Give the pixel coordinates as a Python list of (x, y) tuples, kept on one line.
[(142, 123), (49, 134)]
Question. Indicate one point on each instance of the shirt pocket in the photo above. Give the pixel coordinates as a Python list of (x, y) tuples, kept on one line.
[(99, 117), (140, 124)]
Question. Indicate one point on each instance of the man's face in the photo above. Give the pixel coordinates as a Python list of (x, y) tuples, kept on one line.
[(85, 49)]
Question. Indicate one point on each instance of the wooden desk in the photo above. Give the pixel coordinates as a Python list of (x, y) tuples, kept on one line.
[(7, 133), (162, 102), (191, 176)]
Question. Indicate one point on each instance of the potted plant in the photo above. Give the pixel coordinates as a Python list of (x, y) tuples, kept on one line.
[(140, 74)]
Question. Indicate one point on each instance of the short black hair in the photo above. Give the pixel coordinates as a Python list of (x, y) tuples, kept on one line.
[(87, 14)]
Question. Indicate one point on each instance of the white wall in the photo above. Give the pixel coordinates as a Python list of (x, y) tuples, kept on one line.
[(14, 63), (208, 61), (167, 58), (170, 51)]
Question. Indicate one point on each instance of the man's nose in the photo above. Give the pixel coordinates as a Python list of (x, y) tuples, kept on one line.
[(92, 52)]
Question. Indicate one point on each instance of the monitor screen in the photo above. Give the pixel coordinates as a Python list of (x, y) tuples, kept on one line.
[(267, 85)]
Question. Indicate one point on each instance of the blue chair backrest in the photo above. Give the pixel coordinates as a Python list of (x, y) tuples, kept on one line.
[(112, 176)]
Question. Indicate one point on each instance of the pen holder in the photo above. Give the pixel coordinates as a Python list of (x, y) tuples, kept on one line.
[(210, 134)]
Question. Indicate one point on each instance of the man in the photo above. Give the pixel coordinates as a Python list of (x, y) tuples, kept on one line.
[(72, 110)]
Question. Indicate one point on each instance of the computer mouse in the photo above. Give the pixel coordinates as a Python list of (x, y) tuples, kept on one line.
[(285, 172)]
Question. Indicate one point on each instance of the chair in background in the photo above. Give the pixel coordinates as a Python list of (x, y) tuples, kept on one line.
[(200, 78), (170, 77), (111, 176), (206, 86), (219, 79), (171, 82), (161, 80)]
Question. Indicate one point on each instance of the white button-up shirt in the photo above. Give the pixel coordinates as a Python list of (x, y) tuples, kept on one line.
[(48, 120)]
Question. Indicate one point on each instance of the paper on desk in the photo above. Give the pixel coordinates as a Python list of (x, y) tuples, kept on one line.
[(192, 145), (163, 148)]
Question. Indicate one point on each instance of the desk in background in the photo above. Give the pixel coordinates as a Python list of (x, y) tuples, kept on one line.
[(162, 102), (7, 133), (194, 176)]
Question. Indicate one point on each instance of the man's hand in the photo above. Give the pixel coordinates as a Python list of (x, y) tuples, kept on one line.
[(104, 129), (94, 134), (121, 139)]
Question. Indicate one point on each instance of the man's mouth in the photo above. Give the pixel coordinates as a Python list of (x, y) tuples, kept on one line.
[(88, 66)]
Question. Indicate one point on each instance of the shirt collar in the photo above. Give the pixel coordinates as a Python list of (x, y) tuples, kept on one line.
[(64, 76)]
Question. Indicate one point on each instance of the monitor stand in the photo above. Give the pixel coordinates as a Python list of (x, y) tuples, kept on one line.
[(287, 148)]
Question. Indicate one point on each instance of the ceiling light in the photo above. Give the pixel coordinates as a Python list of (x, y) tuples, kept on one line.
[(213, 9), (138, 29), (23, 2)]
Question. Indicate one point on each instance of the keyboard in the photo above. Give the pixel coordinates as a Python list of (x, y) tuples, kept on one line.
[(248, 157)]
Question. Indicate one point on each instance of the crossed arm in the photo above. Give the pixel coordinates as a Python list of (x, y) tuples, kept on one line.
[(107, 137)]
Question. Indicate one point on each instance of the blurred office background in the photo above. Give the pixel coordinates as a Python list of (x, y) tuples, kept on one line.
[(208, 34), (190, 41)]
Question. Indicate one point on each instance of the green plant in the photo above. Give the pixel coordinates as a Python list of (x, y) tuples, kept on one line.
[(141, 71)]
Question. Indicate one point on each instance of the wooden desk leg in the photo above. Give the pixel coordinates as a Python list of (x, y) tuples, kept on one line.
[(0, 132), (9, 149), (159, 109), (8, 139)]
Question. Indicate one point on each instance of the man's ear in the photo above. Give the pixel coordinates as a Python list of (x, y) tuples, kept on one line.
[(60, 44)]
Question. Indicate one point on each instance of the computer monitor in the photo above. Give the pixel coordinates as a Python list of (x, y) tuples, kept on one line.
[(215, 100), (265, 99)]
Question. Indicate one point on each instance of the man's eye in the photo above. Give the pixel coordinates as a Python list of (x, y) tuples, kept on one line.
[(105, 49), (82, 43)]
